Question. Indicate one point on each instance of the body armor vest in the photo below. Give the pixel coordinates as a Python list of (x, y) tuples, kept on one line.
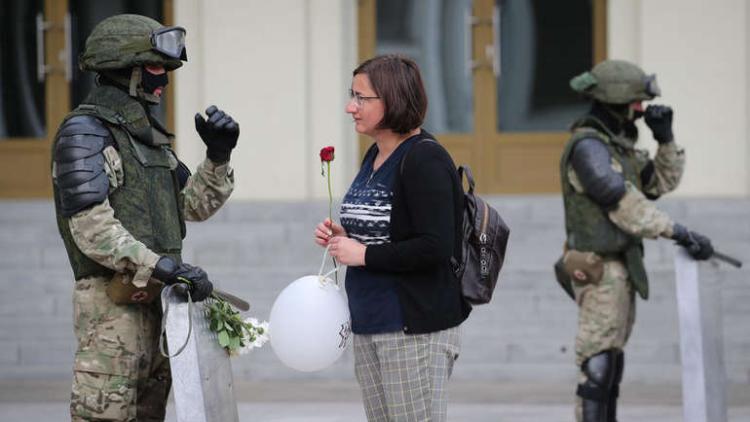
[(147, 204), (587, 225)]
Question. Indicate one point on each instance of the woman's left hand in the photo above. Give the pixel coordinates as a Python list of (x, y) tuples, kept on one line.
[(347, 251)]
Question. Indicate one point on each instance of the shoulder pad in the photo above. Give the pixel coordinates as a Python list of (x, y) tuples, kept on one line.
[(592, 163), (80, 137), (83, 125), (79, 173), (585, 132), (587, 141)]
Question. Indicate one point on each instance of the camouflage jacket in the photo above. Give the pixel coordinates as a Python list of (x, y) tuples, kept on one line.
[(636, 214), (101, 236), (617, 231), (143, 216)]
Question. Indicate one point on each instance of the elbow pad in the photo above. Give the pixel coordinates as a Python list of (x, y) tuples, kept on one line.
[(591, 161), (647, 175), (79, 173)]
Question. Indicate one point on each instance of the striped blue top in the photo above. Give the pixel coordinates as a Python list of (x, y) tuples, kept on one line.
[(366, 216)]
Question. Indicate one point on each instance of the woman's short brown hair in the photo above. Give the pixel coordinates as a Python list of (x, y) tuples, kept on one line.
[(398, 83)]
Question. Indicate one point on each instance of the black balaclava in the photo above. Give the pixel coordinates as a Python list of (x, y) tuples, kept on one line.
[(617, 118), (136, 81), (150, 82)]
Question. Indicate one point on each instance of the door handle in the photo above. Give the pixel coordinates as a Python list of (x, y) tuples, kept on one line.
[(66, 54), (496, 46), (469, 21), (491, 51), (42, 68)]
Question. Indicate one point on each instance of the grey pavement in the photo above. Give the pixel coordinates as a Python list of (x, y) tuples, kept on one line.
[(352, 412), (338, 401)]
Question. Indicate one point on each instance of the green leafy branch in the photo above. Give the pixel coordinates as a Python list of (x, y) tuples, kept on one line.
[(235, 334)]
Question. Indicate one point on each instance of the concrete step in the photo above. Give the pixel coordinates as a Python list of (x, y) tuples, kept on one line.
[(254, 249)]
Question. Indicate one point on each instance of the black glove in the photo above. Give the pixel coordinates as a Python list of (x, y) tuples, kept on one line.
[(170, 272), (659, 120), (697, 245), (219, 133)]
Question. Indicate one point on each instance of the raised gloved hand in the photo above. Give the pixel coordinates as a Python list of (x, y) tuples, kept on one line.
[(219, 133), (697, 245), (659, 120), (170, 272)]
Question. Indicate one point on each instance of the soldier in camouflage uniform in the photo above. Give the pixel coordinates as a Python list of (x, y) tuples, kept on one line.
[(608, 187), (122, 198)]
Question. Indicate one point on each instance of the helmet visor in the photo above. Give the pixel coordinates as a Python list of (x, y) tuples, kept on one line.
[(652, 87), (170, 41)]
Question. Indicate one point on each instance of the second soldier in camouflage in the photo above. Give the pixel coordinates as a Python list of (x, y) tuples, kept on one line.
[(608, 191)]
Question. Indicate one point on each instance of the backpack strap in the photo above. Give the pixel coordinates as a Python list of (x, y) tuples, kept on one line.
[(457, 262), (464, 169), (403, 159)]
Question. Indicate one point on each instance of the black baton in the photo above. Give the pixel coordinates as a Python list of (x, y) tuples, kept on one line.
[(728, 259)]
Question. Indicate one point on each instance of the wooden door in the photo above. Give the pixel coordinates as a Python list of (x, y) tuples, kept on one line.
[(497, 71)]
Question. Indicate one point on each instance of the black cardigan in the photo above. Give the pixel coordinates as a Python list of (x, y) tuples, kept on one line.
[(426, 221)]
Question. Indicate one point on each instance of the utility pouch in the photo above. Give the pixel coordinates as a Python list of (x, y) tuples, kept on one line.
[(123, 292), (583, 267)]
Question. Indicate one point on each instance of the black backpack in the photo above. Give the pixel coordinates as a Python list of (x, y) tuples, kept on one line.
[(485, 239)]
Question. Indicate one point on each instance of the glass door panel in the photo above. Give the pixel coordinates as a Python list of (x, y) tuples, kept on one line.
[(22, 93), (34, 67), (437, 35), (497, 75), (542, 44), (40, 81)]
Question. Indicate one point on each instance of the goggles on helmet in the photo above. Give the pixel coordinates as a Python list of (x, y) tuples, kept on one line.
[(170, 41), (652, 87)]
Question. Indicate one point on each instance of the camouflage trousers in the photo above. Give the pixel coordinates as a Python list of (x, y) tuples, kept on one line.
[(119, 373), (606, 313)]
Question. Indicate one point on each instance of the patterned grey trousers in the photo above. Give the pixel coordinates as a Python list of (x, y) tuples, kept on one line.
[(403, 377)]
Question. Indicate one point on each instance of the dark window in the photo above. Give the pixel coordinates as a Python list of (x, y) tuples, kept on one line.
[(543, 43)]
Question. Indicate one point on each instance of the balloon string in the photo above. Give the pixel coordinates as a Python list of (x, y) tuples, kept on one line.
[(330, 272), (323, 263), (321, 276)]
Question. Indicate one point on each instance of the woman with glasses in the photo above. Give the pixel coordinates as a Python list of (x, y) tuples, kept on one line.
[(401, 223)]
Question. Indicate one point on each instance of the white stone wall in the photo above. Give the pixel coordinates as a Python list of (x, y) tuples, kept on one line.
[(699, 51), (282, 69)]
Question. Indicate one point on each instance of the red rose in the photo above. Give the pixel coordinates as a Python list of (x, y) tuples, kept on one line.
[(326, 154)]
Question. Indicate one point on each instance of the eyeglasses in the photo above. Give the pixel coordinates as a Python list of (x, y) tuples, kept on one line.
[(359, 100)]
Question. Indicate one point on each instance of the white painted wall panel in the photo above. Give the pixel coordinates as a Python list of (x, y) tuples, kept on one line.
[(282, 69)]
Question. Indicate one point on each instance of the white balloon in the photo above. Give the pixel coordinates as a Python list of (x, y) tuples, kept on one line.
[(309, 325)]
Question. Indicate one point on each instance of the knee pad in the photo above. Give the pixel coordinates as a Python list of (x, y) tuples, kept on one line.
[(601, 375)]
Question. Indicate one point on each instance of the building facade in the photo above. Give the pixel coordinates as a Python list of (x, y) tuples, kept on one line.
[(496, 73)]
